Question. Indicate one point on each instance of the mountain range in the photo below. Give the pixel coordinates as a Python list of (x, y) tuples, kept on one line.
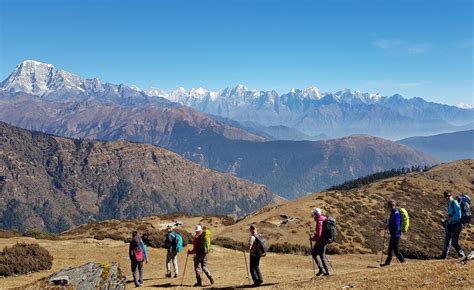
[(336, 114), (53, 183), (40, 97), (445, 147), (309, 111)]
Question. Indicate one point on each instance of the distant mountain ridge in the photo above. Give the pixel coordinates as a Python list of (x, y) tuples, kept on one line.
[(313, 112), (308, 110), (53, 183), (289, 168), (446, 147)]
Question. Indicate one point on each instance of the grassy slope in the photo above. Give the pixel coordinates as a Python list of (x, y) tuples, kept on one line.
[(227, 266), (360, 212)]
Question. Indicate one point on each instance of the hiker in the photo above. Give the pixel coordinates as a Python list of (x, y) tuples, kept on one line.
[(320, 245), (138, 254), (393, 226), (200, 251), (453, 226), (172, 244), (255, 255)]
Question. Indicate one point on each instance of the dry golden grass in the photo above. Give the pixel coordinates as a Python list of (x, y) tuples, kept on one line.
[(360, 213), (280, 271)]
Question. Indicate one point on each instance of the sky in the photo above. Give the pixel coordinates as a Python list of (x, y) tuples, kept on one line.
[(415, 48)]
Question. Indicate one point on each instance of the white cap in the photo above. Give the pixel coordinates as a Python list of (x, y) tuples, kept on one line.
[(317, 211), (197, 228)]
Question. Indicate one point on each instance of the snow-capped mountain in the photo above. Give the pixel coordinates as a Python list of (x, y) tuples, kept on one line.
[(309, 110), (340, 113), (48, 82)]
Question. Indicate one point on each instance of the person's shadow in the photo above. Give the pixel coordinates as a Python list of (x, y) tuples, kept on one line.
[(240, 286)]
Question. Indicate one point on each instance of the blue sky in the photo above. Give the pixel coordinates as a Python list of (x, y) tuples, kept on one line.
[(416, 48)]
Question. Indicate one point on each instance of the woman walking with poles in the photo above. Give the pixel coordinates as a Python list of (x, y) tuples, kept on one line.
[(395, 234), (320, 245)]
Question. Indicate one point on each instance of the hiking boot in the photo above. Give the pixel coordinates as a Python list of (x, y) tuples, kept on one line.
[(198, 284), (257, 284), (442, 257), (211, 280), (168, 275), (384, 265), (326, 274), (320, 273), (175, 276)]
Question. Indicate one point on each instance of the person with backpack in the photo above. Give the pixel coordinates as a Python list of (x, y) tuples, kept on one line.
[(138, 254), (320, 244), (200, 251), (257, 249), (393, 226), (453, 226), (173, 245)]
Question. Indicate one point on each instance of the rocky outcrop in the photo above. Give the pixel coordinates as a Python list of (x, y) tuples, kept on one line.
[(87, 276)]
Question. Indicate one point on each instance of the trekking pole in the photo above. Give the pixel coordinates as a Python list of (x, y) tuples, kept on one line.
[(330, 265), (246, 266), (311, 249), (383, 245), (184, 272)]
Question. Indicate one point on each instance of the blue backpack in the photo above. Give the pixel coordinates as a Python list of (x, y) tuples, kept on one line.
[(178, 242)]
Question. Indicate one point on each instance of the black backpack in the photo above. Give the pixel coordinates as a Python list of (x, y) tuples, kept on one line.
[(261, 245), (465, 204), (329, 230)]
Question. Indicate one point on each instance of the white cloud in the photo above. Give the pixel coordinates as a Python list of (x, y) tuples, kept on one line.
[(410, 84), (396, 45), (387, 43)]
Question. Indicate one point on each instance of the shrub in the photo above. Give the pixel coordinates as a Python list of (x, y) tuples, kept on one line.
[(289, 249), (6, 234), (39, 234), (24, 258), (228, 243)]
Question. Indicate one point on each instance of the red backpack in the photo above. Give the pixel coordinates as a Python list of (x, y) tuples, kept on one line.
[(137, 251)]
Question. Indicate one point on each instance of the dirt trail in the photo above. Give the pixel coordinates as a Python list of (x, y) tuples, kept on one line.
[(227, 266)]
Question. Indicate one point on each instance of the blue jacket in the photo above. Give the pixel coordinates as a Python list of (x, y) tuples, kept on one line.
[(454, 211), (394, 223)]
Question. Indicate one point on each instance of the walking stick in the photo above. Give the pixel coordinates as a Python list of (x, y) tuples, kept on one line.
[(383, 246), (311, 249), (246, 266), (185, 264), (330, 265)]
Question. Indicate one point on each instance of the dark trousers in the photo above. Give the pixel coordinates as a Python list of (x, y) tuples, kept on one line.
[(137, 266), (453, 231), (201, 260), (393, 248), (319, 251), (255, 270)]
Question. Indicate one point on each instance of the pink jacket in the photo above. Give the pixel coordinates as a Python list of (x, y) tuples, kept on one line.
[(317, 238)]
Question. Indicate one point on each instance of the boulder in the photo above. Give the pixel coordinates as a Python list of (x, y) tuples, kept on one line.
[(89, 276)]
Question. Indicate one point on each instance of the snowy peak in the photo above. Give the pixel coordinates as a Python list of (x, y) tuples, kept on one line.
[(312, 93), (39, 78)]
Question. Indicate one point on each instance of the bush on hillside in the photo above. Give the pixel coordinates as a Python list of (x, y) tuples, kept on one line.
[(6, 234), (228, 243), (286, 248), (39, 234), (24, 258)]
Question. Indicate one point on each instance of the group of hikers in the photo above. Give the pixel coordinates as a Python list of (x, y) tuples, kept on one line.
[(458, 214)]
